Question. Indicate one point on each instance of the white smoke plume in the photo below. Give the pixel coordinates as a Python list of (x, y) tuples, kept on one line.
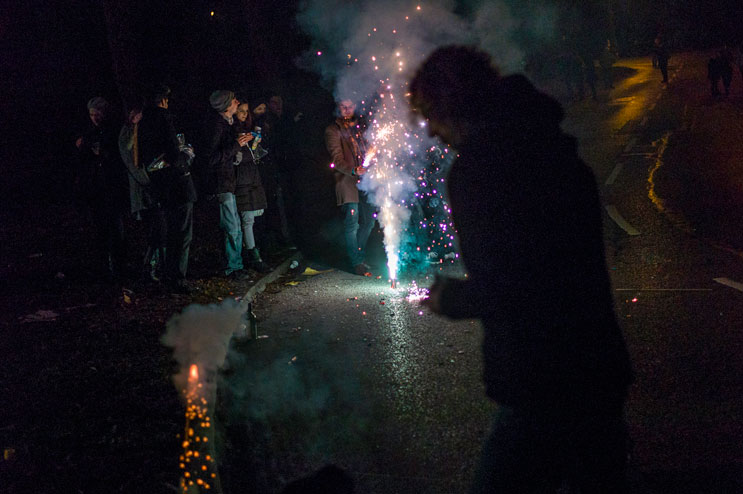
[(200, 335)]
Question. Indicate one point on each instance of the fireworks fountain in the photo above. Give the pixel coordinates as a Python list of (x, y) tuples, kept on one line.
[(200, 336), (370, 47), (397, 157)]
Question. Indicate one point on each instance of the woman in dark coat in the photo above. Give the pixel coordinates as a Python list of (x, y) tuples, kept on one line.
[(249, 193)]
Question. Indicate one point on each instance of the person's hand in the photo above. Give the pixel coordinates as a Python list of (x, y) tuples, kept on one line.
[(188, 151), (244, 139), (79, 142), (433, 301), (298, 116), (359, 170)]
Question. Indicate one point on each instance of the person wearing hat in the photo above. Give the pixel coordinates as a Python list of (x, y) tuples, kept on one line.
[(102, 187), (220, 146)]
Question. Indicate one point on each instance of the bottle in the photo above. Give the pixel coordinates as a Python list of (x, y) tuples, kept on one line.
[(256, 137)]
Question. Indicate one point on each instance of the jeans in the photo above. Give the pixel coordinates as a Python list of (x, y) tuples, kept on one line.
[(248, 219), (543, 451), (229, 222), (358, 221)]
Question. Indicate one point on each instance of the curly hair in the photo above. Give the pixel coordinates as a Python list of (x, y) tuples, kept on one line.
[(454, 82)]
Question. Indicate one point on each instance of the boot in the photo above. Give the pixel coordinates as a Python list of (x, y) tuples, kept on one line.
[(255, 261)]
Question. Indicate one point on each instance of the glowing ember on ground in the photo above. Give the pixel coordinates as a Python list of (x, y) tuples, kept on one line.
[(416, 293)]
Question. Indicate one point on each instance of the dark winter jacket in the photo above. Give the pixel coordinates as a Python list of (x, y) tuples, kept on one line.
[(218, 150), (172, 185), (528, 216), (101, 177), (249, 193)]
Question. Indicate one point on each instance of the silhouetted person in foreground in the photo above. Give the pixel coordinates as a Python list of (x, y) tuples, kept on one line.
[(529, 221)]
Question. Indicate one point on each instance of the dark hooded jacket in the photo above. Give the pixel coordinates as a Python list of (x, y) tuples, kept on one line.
[(527, 212), (173, 185), (219, 147), (102, 177)]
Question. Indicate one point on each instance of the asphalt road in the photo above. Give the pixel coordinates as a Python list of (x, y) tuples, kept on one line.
[(351, 372)]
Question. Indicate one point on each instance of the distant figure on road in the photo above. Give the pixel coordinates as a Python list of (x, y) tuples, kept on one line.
[(661, 54), (607, 59), (714, 73), (726, 68), (738, 58), (529, 220)]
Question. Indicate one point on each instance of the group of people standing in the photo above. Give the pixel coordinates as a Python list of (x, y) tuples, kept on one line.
[(151, 159), (721, 67), (577, 69)]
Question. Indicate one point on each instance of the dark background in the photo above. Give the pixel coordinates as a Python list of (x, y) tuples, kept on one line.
[(55, 55)]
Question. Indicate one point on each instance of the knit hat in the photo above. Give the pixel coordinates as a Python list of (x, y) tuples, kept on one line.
[(221, 99), (99, 104)]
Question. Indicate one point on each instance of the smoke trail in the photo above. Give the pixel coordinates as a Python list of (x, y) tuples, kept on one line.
[(367, 50), (201, 335)]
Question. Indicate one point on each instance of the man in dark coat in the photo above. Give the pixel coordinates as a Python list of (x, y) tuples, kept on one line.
[(101, 181), (347, 149), (221, 145), (172, 186), (527, 212)]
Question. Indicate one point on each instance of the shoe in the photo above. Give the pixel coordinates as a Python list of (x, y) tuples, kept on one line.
[(255, 261), (238, 275), (362, 270)]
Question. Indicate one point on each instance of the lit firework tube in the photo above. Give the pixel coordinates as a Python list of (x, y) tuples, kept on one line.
[(197, 464), (405, 177)]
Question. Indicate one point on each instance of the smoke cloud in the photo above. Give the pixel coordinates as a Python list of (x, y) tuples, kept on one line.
[(201, 335), (347, 34), (368, 50)]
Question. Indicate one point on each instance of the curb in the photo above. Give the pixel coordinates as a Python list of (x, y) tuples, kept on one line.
[(260, 285)]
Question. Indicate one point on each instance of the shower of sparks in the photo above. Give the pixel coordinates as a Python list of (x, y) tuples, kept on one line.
[(405, 177), (197, 463)]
